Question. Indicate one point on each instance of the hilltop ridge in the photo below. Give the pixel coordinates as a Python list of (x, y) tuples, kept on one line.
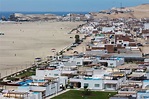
[(140, 11)]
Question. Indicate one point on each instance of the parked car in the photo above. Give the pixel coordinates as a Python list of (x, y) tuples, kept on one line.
[(139, 44)]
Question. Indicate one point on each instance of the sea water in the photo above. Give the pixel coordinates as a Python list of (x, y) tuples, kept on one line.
[(7, 14)]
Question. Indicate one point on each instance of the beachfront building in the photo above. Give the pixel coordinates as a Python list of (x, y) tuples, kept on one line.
[(33, 88), (106, 60), (99, 79), (63, 80), (95, 83), (44, 85)]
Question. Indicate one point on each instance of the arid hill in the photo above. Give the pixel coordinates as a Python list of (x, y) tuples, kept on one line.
[(141, 11)]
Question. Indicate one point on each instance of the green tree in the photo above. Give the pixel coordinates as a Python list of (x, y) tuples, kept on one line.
[(77, 38)]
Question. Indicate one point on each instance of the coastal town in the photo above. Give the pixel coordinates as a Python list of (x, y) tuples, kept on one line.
[(107, 55)]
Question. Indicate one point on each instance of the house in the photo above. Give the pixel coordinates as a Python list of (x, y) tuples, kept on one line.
[(145, 33), (147, 40), (124, 40), (97, 79), (55, 73), (137, 76), (144, 94), (146, 26), (44, 85), (145, 84), (79, 61), (111, 61), (33, 88)]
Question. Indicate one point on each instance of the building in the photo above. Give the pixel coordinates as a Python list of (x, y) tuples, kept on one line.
[(143, 94)]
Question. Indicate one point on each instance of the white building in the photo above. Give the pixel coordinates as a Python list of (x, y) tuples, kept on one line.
[(143, 94), (55, 73), (35, 88), (100, 80), (86, 29), (112, 62), (145, 84)]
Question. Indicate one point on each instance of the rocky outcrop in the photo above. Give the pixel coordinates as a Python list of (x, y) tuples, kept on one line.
[(3, 18), (31, 17)]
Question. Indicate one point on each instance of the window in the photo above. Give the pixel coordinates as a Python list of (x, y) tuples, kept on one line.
[(53, 87), (111, 63), (78, 62), (114, 85), (96, 85), (108, 86), (112, 42), (55, 74), (86, 84)]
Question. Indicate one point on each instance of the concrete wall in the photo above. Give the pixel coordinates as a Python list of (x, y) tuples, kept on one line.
[(63, 80), (47, 73)]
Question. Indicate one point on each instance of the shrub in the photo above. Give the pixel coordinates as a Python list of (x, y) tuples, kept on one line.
[(86, 92)]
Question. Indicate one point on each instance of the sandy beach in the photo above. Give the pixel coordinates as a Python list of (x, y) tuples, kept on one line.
[(24, 41)]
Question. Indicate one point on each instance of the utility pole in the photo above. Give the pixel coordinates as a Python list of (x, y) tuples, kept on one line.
[(121, 5)]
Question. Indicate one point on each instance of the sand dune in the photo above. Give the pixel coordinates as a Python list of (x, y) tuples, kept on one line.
[(143, 7), (23, 42)]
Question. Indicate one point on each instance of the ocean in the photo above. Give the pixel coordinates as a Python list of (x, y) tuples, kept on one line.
[(7, 14)]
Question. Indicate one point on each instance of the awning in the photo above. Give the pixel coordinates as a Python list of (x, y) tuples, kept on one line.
[(136, 75)]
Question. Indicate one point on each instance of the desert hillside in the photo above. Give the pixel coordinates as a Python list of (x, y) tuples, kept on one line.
[(141, 11)]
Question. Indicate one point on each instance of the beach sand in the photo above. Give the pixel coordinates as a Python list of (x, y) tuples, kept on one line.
[(25, 41), (81, 48)]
